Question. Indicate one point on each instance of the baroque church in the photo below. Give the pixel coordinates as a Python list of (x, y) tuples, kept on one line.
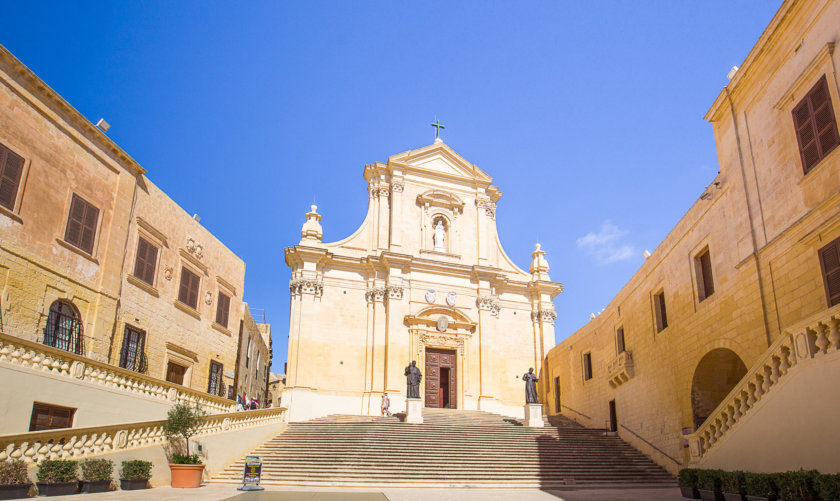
[(423, 279)]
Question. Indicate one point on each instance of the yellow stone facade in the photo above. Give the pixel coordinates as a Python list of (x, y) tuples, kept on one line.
[(66, 156), (425, 271), (762, 221), (253, 358)]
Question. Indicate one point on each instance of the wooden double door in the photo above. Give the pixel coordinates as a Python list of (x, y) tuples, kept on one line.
[(440, 378)]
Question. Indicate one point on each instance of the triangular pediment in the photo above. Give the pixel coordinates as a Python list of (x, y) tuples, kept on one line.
[(439, 158)]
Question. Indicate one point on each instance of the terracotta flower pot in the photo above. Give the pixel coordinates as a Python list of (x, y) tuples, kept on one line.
[(186, 475)]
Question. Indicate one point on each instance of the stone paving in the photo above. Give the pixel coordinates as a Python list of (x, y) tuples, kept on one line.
[(221, 492)]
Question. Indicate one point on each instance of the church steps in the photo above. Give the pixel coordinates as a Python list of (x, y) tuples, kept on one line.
[(451, 448)]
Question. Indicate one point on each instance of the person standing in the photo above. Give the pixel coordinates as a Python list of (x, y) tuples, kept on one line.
[(386, 404)]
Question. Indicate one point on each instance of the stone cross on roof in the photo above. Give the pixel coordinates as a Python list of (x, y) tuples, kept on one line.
[(438, 126)]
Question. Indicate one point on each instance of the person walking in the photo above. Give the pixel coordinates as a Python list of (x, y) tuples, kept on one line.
[(386, 404)]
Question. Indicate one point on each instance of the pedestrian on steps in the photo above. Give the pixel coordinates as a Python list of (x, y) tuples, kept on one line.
[(386, 404)]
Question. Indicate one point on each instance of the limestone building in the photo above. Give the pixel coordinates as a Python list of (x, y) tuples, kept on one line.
[(424, 278), (722, 349), (102, 275), (253, 358)]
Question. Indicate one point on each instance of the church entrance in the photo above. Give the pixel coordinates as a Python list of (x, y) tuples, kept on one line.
[(440, 378)]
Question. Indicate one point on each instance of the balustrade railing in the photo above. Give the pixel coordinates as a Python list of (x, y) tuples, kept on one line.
[(76, 443), (811, 338), (20, 352)]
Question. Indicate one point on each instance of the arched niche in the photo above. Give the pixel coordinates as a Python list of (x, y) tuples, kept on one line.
[(715, 376)]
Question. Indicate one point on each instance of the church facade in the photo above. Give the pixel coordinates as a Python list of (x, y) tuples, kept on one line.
[(424, 278)]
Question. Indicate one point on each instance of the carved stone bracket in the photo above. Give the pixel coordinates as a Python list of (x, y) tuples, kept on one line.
[(620, 369), (380, 190), (489, 303), (489, 207), (397, 187), (394, 292), (376, 294), (543, 316), (301, 286)]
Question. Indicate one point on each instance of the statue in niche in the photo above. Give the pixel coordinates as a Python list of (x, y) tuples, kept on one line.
[(530, 387), (440, 235), (412, 379)]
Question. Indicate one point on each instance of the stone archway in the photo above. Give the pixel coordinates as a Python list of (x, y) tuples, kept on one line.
[(715, 376)]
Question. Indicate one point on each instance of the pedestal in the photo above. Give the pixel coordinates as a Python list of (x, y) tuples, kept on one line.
[(413, 410), (533, 416)]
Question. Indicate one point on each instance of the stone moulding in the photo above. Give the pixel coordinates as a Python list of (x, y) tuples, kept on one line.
[(79, 443), (300, 286), (548, 316), (620, 369), (39, 357), (381, 294), (489, 207), (812, 338)]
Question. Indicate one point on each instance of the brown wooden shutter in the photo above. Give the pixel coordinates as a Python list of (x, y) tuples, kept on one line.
[(830, 264), (222, 309), (816, 127), (144, 266), (188, 291), (11, 168), (81, 225)]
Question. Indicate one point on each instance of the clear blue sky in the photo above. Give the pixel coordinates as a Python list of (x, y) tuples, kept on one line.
[(587, 114)]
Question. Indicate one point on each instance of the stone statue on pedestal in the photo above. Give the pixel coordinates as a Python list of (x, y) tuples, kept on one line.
[(412, 379), (530, 387), (440, 234)]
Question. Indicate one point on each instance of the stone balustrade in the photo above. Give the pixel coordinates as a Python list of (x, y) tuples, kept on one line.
[(23, 353), (78, 443), (811, 338), (620, 369)]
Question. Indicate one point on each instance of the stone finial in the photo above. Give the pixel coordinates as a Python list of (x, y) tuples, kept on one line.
[(539, 266), (311, 230)]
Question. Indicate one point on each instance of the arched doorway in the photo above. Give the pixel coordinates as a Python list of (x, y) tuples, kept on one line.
[(64, 327), (715, 376)]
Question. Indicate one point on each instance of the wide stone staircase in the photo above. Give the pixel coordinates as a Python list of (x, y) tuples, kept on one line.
[(453, 448)]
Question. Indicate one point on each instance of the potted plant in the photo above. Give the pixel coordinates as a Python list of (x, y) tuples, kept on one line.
[(708, 484), (135, 474), (184, 421), (14, 481), (57, 477), (760, 487), (732, 485), (96, 475), (829, 486), (798, 485), (687, 478)]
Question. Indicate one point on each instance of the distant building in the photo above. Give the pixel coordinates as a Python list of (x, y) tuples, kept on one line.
[(276, 383), (253, 357)]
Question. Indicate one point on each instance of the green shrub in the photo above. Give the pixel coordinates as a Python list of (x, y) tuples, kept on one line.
[(58, 470), (732, 482), (136, 469), (13, 471), (97, 469), (761, 484), (184, 420), (186, 459), (687, 477), (798, 485), (708, 480), (828, 486)]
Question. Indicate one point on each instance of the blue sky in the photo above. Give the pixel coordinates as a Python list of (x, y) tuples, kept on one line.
[(587, 114)]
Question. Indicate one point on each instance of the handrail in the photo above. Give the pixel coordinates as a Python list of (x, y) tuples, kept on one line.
[(809, 338), (575, 411), (650, 444), (66, 443), (25, 353)]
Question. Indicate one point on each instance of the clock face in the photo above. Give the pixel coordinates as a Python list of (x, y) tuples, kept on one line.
[(450, 298), (431, 295)]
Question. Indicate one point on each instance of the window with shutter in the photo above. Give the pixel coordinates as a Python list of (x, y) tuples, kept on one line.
[(81, 224), (188, 290), (703, 272), (830, 264), (816, 126), (222, 309), (49, 417), (661, 315), (587, 366), (146, 261), (175, 373), (11, 169)]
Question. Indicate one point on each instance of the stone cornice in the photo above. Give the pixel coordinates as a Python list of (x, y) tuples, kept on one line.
[(60, 112)]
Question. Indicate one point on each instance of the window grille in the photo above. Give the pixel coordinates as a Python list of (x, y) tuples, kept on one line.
[(64, 328)]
